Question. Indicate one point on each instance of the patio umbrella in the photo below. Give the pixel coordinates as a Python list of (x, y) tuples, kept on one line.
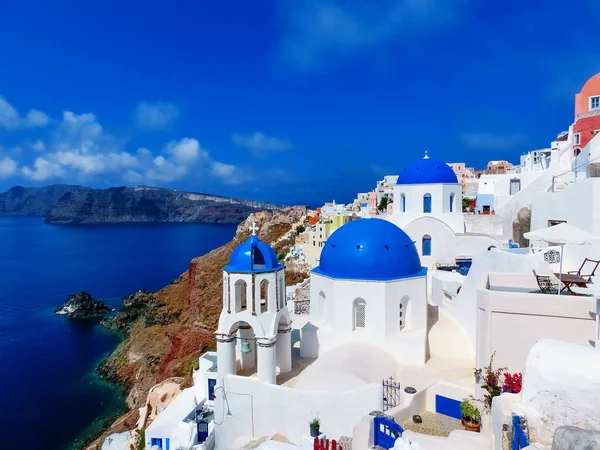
[(562, 234)]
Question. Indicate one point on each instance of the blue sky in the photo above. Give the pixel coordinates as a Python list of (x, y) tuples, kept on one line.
[(297, 101)]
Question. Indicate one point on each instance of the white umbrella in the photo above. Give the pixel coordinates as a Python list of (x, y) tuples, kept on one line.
[(562, 234)]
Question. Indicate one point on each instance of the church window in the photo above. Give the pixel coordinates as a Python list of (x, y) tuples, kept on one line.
[(240, 296), (264, 296), (577, 138), (452, 202), (403, 202), (427, 203), (595, 102), (426, 245), (360, 314)]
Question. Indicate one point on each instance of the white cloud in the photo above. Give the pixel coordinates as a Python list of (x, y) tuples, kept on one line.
[(78, 148), (165, 170), (260, 143), (38, 146), (186, 151), (11, 120), (156, 116), (9, 117), (493, 141), (222, 170), (133, 177), (94, 163), (36, 118), (317, 32), (43, 170), (8, 167)]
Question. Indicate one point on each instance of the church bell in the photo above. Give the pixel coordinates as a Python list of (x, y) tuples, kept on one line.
[(245, 348)]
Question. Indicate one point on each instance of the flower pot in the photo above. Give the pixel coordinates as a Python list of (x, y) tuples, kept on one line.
[(471, 425), (314, 431)]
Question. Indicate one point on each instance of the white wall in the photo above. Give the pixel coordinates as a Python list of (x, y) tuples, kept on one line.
[(464, 306), (332, 315), (561, 386), (440, 204), (484, 224), (257, 409), (510, 323)]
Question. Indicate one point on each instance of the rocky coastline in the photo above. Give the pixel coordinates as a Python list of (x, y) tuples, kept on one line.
[(165, 332), (82, 306)]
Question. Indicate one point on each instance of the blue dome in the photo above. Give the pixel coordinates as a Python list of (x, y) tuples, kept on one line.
[(369, 249), (427, 171), (253, 256)]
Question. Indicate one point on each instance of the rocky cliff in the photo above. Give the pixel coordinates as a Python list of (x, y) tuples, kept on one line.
[(167, 331), (64, 204), (22, 201)]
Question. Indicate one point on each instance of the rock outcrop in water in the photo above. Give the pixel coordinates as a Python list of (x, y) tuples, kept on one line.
[(82, 306), (64, 204), (166, 332)]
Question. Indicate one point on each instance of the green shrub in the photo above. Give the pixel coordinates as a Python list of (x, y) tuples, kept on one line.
[(470, 411)]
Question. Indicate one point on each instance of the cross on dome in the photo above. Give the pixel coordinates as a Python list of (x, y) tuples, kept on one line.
[(426, 157), (253, 228)]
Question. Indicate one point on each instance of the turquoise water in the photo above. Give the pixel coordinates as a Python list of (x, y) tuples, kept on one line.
[(49, 393)]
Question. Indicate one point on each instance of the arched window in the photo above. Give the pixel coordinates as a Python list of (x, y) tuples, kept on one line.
[(452, 202), (427, 203), (426, 245), (240, 296), (403, 202), (360, 314), (264, 296)]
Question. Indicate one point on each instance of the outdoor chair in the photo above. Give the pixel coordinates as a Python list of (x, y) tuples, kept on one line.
[(592, 265), (545, 284)]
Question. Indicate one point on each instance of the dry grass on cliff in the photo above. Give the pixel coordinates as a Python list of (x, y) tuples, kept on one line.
[(154, 353)]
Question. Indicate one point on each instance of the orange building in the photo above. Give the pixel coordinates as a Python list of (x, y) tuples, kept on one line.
[(587, 113)]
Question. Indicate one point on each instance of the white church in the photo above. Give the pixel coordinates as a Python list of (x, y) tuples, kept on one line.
[(427, 205)]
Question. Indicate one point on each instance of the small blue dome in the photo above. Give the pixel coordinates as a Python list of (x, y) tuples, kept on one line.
[(253, 256), (369, 249), (427, 171)]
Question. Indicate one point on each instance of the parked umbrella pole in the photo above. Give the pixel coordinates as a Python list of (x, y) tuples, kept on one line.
[(562, 249)]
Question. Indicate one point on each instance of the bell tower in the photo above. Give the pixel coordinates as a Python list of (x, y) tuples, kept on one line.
[(254, 326)]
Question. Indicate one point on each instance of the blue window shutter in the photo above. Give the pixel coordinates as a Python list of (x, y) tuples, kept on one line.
[(426, 246), (427, 204)]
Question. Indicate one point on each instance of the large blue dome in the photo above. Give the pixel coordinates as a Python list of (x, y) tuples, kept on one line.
[(253, 256), (427, 171), (369, 249)]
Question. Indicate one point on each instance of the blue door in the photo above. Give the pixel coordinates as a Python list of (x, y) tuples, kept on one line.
[(211, 388), (427, 203), (386, 432), (202, 431), (426, 245), (168, 447), (157, 442)]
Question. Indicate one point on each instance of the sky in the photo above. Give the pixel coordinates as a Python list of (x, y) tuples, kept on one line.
[(293, 101)]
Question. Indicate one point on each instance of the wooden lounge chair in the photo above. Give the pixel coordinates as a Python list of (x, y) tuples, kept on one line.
[(592, 265), (545, 284)]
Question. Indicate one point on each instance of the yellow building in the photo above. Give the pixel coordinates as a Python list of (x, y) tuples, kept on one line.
[(332, 223)]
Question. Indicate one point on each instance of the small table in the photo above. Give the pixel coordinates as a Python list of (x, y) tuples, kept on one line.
[(569, 280)]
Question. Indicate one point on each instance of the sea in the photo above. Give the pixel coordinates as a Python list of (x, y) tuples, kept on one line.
[(50, 397)]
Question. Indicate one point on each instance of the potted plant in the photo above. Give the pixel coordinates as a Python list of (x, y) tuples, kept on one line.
[(314, 427), (471, 416)]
